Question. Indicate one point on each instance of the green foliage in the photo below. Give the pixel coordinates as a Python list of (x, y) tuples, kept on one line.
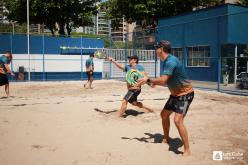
[(74, 34), (104, 38), (243, 2), (150, 11), (246, 50), (51, 12), (8, 28), (5, 28)]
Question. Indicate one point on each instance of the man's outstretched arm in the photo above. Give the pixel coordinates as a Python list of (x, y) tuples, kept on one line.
[(120, 66)]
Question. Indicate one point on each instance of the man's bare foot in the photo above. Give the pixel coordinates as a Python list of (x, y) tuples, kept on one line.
[(118, 117), (186, 153)]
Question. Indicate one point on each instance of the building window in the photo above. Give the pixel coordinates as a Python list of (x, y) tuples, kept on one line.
[(178, 52), (198, 56)]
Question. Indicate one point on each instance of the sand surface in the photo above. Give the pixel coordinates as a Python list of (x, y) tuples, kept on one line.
[(61, 123)]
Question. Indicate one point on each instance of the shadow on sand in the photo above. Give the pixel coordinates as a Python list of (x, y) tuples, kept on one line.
[(128, 112), (131, 112), (5, 97), (174, 143), (106, 112)]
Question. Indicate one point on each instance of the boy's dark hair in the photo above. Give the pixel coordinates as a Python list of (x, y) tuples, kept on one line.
[(92, 55), (134, 57)]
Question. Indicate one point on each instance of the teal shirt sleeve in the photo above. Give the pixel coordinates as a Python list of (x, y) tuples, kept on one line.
[(140, 68), (126, 68), (169, 68), (4, 59)]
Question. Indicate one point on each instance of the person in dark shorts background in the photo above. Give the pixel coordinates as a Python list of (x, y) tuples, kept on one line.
[(181, 90), (89, 64), (133, 91), (4, 70)]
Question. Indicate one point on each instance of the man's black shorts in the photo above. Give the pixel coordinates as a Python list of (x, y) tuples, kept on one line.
[(3, 79), (89, 74), (132, 95), (179, 104)]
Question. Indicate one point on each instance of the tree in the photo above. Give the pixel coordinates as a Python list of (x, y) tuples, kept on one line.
[(149, 11), (243, 2), (50, 12)]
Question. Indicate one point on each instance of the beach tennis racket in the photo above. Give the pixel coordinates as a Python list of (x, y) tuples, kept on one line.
[(133, 76), (100, 54)]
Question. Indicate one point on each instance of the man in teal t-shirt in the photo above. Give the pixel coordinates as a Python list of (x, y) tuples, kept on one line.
[(4, 70), (182, 93), (89, 64)]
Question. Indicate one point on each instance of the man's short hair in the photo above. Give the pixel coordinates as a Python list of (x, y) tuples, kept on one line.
[(166, 45), (92, 55)]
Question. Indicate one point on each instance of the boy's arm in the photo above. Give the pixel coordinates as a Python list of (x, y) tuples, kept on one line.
[(120, 66)]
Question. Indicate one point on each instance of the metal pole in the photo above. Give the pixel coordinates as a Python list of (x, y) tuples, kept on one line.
[(156, 58), (126, 40), (110, 48), (43, 52), (219, 54), (133, 42), (28, 39), (235, 63), (81, 57), (97, 15), (13, 28), (247, 67), (11, 49)]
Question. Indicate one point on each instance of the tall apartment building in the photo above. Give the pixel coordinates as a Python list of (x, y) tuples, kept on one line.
[(3, 18), (102, 26)]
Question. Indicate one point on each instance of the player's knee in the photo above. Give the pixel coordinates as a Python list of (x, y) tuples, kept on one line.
[(178, 121), (124, 101)]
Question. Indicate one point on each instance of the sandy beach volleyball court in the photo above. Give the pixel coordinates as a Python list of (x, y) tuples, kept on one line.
[(61, 123)]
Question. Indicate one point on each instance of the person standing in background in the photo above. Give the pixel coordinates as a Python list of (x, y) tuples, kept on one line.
[(89, 64), (4, 70)]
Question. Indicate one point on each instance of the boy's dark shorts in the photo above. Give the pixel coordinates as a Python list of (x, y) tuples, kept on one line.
[(132, 95), (3, 79), (89, 74), (179, 104)]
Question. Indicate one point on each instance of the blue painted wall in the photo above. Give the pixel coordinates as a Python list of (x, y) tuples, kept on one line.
[(18, 44), (237, 25), (209, 27), (58, 76)]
